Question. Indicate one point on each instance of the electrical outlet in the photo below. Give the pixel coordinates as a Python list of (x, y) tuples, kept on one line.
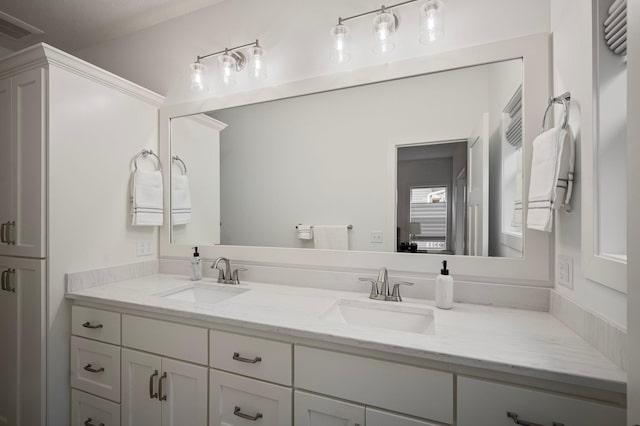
[(144, 248), (377, 237), (565, 271)]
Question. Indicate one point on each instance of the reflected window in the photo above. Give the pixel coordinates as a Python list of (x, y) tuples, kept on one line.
[(428, 217)]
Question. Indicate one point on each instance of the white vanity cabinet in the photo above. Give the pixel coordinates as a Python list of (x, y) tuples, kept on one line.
[(161, 391), (22, 164), (156, 389), (22, 331), (484, 403), (316, 410)]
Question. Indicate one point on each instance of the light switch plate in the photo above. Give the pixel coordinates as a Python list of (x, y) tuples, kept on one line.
[(565, 271), (377, 237), (144, 248)]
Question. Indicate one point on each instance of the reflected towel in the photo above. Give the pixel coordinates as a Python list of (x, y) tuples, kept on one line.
[(305, 232), (180, 200), (331, 237), (516, 220), (551, 177), (146, 198)]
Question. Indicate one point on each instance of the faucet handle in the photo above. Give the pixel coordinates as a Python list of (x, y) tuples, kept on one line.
[(395, 294), (234, 277), (374, 287)]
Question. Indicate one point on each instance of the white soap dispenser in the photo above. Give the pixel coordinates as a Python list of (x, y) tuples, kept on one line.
[(196, 266), (444, 288)]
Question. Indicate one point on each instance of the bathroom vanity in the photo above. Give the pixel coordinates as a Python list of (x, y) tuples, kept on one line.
[(159, 350)]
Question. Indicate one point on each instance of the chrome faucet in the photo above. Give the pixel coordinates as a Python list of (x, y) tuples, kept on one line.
[(380, 287), (225, 276)]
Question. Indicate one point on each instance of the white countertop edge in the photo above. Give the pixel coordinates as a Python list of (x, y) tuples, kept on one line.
[(618, 386)]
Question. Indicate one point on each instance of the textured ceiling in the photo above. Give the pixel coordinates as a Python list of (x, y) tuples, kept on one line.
[(72, 25)]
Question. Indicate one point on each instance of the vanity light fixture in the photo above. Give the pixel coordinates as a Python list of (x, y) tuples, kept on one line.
[(385, 24), (230, 61)]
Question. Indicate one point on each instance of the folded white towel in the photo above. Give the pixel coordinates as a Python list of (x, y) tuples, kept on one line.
[(332, 237), (305, 232), (551, 177), (146, 198), (180, 200)]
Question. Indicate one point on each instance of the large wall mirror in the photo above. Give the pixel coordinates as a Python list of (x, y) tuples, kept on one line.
[(427, 157)]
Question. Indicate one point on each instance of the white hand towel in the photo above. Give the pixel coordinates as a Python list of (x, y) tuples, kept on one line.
[(516, 220), (180, 200), (146, 198), (331, 237), (305, 232), (549, 188)]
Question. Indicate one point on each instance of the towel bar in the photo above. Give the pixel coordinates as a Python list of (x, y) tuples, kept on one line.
[(145, 153), (348, 226)]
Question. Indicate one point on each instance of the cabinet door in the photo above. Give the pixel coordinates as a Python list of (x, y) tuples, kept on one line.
[(6, 157), (22, 352), (28, 137), (185, 390), (140, 381), (382, 418), (238, 401), (314, 410)]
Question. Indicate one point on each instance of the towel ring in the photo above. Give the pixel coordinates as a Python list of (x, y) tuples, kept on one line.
[(564, 101), (144, 154), (179, 160)]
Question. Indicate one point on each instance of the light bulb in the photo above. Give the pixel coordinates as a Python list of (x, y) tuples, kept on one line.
[(227, 67), (431, 21), (197, 78), (384, 25), (257, 64), (340, 52)]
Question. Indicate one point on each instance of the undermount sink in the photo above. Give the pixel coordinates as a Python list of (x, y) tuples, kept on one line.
[(385, 315), (207, 294)]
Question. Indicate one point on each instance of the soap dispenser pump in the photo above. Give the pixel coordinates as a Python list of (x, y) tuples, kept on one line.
[(196, 266), (444, 288)]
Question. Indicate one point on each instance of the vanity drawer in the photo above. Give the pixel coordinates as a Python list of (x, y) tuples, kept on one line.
[(88, 409), (235, 399), (95, 324), (251, 356), (403, 388), (95, 368), (179, 341), (483, 403)]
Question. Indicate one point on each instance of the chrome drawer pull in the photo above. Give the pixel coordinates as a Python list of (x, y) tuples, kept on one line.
[(90, 369), (516, 420), (237, 412), (3, 280), (88, 423), (11, 241), (88, 325), (151, 394), (237, 357), (161, 396), (3, 233)]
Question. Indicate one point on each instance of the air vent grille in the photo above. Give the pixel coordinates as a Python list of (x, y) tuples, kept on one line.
[(16, 29)]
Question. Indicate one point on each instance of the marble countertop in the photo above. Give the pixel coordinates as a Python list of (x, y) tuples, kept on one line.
[(528, 343)]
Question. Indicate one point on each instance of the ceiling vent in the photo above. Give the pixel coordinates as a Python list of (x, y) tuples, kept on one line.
[(15, 29)]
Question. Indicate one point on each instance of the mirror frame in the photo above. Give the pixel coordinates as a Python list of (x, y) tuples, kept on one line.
[(534, 268)]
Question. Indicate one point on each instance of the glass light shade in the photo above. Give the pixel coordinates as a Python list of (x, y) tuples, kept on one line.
[(257, 64), (197, 76), (340, 53), (384, 25), (431, 21), (227, 67)]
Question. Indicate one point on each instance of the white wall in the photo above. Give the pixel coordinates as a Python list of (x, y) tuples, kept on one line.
[(196, 140), (322, 159), (94, 133), (295, 34), (571, 27)]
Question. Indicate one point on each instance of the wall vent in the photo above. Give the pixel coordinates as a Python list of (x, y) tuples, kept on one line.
[(15, 29)]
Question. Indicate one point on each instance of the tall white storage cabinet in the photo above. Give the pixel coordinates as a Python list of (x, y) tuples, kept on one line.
[(67, 133)]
